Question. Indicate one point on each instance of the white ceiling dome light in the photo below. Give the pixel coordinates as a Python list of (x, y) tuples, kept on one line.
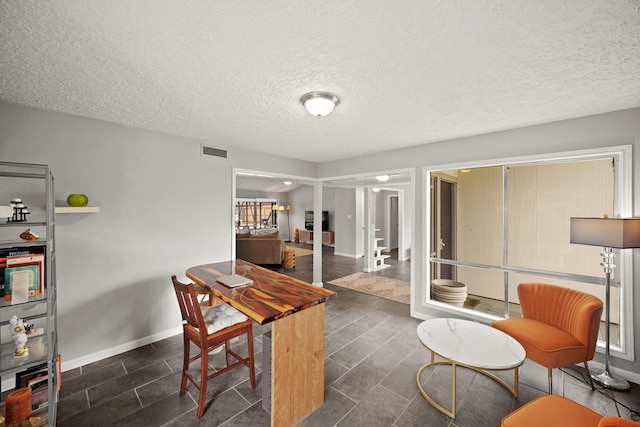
[(382, 178), (319, 104)]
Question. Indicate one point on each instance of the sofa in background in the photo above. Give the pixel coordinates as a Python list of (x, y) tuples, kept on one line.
[(260, 246)]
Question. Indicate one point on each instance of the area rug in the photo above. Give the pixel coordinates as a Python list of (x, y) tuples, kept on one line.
[(385, 287), (300, 251)]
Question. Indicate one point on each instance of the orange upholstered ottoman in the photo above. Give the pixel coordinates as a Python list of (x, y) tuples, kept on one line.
[(553, 410)]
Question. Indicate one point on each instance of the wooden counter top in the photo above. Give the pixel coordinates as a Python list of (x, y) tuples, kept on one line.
[(271, 296)]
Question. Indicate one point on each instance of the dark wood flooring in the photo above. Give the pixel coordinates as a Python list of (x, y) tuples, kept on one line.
[(372, 355), (334, 267)]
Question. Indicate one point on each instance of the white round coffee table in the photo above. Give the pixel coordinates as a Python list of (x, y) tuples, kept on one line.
[(471, 345)]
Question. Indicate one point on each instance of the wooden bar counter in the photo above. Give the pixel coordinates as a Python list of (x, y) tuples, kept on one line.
[(297, 358)]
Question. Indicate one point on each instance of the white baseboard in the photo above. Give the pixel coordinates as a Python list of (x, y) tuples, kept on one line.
[(94, 357), (9, 383), (347, 255)]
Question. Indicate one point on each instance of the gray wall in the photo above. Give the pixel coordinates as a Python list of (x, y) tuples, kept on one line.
[(255, 194), (409, 209), (164, 208), (346, 220), (302, 200)]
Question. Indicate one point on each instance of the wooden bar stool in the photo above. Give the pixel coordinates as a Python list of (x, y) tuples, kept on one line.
[(218, 327)]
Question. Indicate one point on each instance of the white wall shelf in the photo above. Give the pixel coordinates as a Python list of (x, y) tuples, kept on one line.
[(70, 209)]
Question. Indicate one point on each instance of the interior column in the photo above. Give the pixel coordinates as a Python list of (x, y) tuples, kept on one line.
[(317, 233)]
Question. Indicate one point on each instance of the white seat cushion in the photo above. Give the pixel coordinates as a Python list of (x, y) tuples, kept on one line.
[(220, 317)]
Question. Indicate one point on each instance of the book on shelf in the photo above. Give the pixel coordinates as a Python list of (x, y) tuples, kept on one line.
[(29, 260), (23, 377), (3, 265), (19, 251), (23, 281), (39, 392), (21, 273), (37, 379)]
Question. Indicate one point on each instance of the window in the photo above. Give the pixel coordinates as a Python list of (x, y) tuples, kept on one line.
[(495, 226), (255, 214)]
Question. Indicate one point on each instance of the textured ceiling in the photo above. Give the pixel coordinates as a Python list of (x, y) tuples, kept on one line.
[(406, 73)]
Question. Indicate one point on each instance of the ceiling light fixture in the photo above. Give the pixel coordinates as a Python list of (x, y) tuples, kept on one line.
[(376, 190), (382, 178), (319, 103), (287, 182)]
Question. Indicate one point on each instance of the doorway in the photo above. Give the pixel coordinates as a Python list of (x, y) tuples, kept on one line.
[(443, 211), (392, 226)]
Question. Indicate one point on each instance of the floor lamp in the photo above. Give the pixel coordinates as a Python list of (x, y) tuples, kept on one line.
[(610, 233)]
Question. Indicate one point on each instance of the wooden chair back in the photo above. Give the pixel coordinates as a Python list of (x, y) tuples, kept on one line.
[(192, 319), (195, 331), (570, 310)]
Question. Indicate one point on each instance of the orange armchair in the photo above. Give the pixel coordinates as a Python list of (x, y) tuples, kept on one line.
[(558, 327), (552, 410)]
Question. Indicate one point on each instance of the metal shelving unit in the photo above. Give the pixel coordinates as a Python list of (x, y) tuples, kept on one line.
[(35, 184)]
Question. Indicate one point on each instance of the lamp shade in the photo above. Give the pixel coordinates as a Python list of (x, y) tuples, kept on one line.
[(621, 233)]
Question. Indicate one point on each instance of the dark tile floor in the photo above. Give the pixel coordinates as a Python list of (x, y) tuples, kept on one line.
[(372, 354)]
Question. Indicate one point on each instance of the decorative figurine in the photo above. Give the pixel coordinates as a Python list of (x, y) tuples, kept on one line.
[(19, 337), (29, 235), (20, 211), (28, 327)]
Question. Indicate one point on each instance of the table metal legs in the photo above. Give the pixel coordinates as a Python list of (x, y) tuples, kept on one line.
[(452, 413)]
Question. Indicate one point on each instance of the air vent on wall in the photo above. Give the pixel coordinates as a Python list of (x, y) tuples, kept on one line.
[(215, 152)]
